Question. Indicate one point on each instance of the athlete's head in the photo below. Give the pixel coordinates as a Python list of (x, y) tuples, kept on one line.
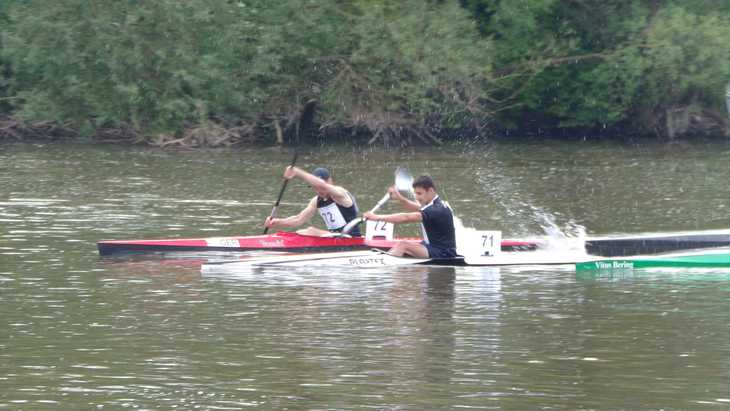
[(324, 175), (425, 189)]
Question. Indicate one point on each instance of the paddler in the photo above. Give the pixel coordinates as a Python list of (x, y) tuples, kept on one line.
[(335, 205), (436, 218)]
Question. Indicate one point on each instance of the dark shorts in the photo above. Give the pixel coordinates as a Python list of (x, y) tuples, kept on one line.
[(438, 252)]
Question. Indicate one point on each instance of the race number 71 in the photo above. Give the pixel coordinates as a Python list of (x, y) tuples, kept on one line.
[(491, 242)]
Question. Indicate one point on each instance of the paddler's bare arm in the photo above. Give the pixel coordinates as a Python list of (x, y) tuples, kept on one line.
[(406, 203), (296, 220), (336, 193), (397, 218)]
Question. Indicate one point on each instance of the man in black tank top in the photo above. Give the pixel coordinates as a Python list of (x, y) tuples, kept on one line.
[(335, 205), (436, 218)]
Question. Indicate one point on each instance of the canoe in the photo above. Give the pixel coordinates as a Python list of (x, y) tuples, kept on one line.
[(281, 241), (376, 258), (708, 258), (609, 246), (656, 243)]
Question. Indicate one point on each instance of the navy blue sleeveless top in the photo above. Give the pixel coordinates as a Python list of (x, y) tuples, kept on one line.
[(335, 216)]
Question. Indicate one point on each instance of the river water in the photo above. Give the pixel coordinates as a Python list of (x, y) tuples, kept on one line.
[(80, 332)]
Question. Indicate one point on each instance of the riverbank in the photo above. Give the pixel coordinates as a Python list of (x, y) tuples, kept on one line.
[(681, 123)]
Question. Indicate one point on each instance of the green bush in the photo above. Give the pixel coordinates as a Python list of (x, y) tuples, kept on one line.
[(601, 63), (373, 66)]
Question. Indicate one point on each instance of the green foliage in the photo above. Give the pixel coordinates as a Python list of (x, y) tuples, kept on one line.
[(156, 65), (689, 58), (409, 59), (165, 66), (594, 63), (562, 61), (5, 105)]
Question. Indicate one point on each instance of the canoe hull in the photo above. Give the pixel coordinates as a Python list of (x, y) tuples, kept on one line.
[(281, 241), (656, 243), (291, 242), (376, 259), (709, 258)]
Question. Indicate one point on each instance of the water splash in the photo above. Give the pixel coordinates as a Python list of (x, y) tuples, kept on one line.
[(569, 240), (522, 214)]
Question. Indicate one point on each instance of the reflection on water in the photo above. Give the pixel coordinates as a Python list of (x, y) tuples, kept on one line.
[(83, 333), (720, 274)]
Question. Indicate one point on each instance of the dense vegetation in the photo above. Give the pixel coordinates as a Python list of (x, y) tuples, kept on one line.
[(211, 72)]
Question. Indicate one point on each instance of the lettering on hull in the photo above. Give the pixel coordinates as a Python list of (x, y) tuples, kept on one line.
[(366, 261), (614, 265)]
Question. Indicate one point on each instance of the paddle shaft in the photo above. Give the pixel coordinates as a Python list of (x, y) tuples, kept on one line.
[(284, 182), (353, 223), (380, 203), (403, 181)]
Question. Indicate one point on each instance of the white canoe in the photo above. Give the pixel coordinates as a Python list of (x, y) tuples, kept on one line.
[(374, 258)]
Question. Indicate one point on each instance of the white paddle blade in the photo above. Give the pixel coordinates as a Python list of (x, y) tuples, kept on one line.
[(404, 181)]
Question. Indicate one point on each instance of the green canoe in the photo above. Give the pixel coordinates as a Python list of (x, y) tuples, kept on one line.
[(697, 259)]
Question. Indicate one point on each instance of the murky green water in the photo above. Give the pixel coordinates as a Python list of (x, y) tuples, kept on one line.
[(77, 332)]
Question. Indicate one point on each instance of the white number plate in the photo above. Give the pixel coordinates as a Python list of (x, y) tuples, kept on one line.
[(378, 230), (475, 243), (491, 242)]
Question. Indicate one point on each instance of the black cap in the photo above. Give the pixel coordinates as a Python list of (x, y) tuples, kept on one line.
[(322, 173)]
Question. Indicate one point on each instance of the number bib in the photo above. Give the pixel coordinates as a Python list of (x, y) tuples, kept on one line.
[(332, 216), (378, 230)]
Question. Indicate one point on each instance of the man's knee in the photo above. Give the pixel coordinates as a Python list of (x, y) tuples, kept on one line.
[(417, 250)]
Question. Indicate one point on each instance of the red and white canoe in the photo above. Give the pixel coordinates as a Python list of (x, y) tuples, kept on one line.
[(281, 241)]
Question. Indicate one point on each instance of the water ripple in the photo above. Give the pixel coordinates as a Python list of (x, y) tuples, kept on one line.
[(83, 333)]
